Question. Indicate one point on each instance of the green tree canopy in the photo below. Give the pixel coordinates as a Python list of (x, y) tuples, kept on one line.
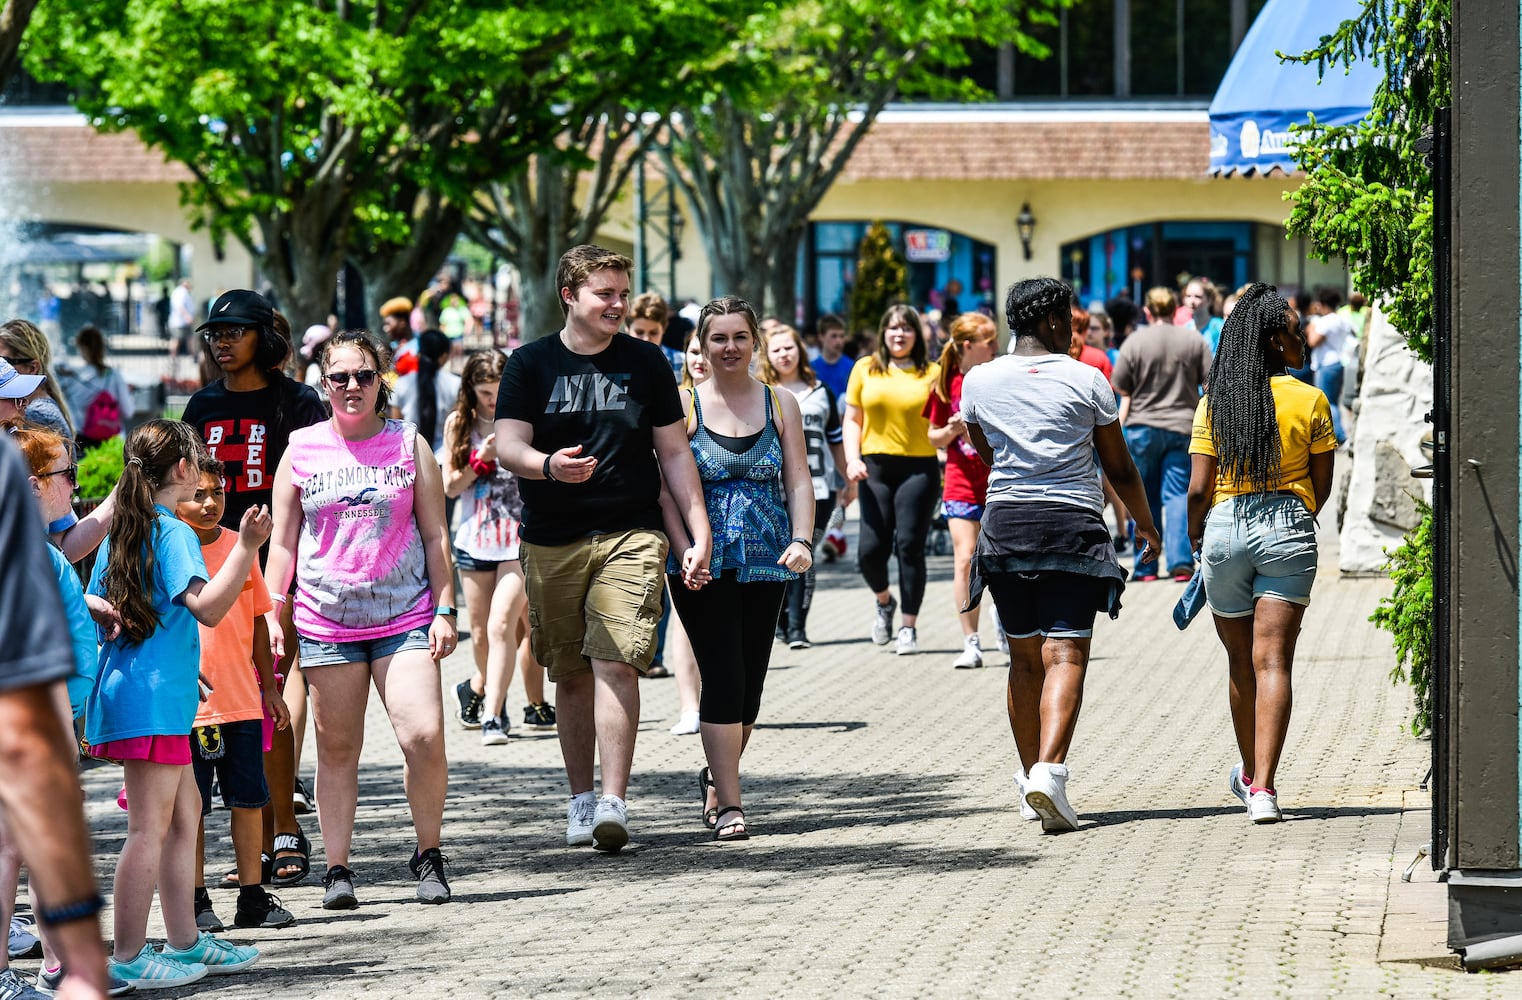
[(789, 99), (317, 131), (1368, 190)]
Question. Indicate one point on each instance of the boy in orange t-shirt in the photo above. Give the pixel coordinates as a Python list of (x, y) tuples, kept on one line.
[(228, 743)]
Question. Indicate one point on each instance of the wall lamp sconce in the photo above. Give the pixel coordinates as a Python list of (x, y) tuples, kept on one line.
[(1025, 224)]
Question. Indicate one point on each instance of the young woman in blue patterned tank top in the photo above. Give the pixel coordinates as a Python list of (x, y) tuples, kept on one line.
[(749, 445)]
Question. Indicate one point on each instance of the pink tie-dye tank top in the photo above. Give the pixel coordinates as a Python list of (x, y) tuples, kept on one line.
[(360, 568)]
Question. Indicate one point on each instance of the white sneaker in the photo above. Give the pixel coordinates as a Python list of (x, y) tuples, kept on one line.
[(972, 654), (908, 641), (999, 631), (1026, 812), (1236, 785), (1046, 793), (578, 820), (1263, 807), (610, 824), (882, 622), (687, 725), (494, 731)]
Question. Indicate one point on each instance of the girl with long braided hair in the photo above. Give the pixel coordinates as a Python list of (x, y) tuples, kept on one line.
[(1261, 467), (1038, 419)]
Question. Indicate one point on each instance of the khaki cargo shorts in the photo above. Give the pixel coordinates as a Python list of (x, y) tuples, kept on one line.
[(597, 598)]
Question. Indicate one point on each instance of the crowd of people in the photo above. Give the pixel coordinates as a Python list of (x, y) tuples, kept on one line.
[(606, 505)]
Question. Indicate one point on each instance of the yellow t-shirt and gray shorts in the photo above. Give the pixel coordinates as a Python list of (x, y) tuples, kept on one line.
[(1264, 544)]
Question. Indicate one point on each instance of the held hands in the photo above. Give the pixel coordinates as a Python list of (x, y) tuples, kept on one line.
[(255, 528), (695, 571), (856, 470), (275, 705), (566, 467), (796, 557), (442, 637)]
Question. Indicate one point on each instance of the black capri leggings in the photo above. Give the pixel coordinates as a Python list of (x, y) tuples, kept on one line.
[(800, 592), (730, 624), (897, 505)]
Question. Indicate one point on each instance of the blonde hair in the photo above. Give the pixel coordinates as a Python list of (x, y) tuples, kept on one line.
[(687, 380), (1161, 304), (768, 374), (25, 339), (966, 328)]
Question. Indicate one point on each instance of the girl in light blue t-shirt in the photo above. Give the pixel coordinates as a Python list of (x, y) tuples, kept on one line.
[(144, 703)]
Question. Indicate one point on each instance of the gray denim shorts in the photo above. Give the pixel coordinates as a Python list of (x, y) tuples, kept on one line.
[(1259, 545), (321, 653)]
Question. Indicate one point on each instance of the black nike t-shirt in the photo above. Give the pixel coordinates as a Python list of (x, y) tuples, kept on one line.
[(609, 403), (248, 432)]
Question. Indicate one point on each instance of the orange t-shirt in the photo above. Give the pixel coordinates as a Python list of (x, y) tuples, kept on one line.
[(227, 651)]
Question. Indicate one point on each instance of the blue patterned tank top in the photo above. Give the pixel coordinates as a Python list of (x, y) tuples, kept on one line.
[(743, 493)]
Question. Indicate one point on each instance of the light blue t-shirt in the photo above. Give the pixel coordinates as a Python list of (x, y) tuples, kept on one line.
[(149, 688), (81, 630)]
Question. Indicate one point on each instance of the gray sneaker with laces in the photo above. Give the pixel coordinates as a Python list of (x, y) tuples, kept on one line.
[(578, 820)]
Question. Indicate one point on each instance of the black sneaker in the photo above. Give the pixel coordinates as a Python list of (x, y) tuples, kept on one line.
[(540, 715), (428, 866), (470, 705), (206, 917), (265, 913), (339, 882), (781, 633), (798, 639)]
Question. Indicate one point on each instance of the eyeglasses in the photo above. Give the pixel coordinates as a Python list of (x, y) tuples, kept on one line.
[(72, 472), (13, 362), (230, 334), (365, 378)]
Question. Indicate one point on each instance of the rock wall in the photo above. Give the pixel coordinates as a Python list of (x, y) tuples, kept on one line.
[(1392, 404)]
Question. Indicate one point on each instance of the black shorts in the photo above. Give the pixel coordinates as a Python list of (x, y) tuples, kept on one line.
[(1047, 603), (240, 769)]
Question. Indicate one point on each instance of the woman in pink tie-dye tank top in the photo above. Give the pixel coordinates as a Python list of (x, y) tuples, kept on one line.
[(359, 522)]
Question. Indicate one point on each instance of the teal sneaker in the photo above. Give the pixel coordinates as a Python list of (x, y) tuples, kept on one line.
[(218, 956), (151, 971)]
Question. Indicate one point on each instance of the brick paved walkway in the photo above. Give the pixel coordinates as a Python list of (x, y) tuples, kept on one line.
[(889, 857)]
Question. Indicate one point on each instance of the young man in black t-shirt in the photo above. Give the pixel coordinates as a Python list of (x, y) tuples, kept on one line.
[(590, 422)]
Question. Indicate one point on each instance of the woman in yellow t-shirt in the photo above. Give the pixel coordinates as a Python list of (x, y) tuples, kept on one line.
[(1262, 453), (888, 451)]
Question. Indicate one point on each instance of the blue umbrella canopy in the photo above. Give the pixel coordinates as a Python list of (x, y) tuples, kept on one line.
[(1261, 96)]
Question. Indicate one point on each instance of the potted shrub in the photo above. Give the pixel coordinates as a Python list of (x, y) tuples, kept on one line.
[(99, 469)]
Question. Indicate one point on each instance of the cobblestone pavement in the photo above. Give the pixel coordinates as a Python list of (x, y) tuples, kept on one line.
[(889, 858)]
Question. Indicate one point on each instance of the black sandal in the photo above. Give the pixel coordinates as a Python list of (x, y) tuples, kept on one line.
[(705, 782), (719, 826), (266, 870), (292, 850)]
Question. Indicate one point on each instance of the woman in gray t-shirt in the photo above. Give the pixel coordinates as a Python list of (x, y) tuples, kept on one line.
[(1038, 418)]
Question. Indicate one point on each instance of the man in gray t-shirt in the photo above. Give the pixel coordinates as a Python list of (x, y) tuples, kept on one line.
[(1159, 374)]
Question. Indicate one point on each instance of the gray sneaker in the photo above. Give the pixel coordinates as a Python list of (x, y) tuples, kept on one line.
[(882, 625), (206, 917), (13, 987), (339, 882), (610, 825), (49, 982), (494, 729), (578, 820), (428, 866)]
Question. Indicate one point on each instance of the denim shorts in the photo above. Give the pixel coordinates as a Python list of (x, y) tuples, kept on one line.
[(321, 653), (239, 769), (963, 510), (1259, 545), (470, 564)]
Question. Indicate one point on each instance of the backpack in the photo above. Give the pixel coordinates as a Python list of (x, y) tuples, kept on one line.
[(103, 417)]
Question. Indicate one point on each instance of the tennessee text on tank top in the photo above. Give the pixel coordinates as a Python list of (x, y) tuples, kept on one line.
[(742, 488), (360, 568)]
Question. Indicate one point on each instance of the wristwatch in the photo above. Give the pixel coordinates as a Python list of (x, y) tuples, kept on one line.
[(445, 609)]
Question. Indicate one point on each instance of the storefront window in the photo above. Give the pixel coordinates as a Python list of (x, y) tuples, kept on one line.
[(945, 268)]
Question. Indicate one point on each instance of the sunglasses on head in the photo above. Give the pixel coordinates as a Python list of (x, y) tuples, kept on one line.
[(365, 378)]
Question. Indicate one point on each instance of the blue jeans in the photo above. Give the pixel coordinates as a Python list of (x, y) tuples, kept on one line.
[(1162, 459), (1329, 381)]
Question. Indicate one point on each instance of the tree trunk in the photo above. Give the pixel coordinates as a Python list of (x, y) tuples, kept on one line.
[(390, 270), (14, 16), (301, 260), (539, 313)]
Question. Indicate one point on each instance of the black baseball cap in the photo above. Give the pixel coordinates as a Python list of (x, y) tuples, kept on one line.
[(240, 306)]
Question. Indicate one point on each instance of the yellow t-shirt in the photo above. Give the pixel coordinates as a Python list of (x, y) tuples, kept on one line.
[(1305, 429), (892, 405)]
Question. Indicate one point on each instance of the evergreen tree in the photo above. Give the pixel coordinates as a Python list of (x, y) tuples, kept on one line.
[(882, 279)]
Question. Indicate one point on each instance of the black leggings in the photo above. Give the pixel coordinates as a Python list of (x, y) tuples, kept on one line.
[(897, 505), (730, 624), (800, 592)]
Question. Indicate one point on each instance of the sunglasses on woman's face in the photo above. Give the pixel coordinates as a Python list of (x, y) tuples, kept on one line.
[(72, 472), (365, 378)]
